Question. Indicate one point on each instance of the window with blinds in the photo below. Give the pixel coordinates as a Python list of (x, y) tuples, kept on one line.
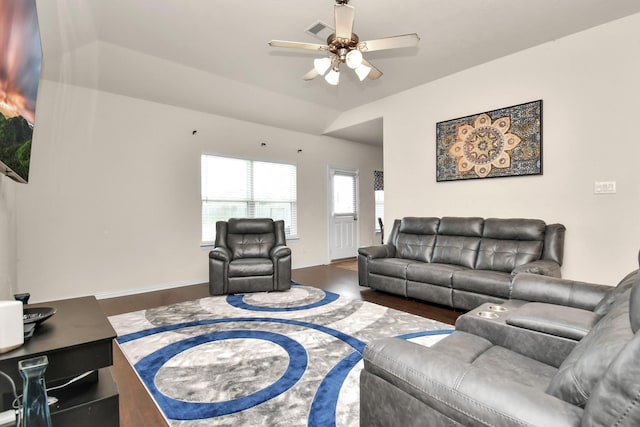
[(238, 188)]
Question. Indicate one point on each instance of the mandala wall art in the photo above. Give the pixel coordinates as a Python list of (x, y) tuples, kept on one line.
[(498, 143)]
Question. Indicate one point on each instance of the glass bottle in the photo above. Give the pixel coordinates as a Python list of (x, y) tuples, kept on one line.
[(35, 408)]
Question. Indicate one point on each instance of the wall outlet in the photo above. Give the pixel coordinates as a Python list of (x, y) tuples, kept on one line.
[(604, 187)]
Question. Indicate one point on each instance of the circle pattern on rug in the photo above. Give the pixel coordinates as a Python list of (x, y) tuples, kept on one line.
[(219, 371), (149, 366), (298, 298)]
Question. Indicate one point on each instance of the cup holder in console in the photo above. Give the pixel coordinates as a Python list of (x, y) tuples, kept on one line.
[(498, 308), (488, 314)]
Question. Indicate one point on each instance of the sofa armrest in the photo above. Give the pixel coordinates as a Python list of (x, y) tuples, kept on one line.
[(558, 320), (553, 290), (462, 392), (378, 251), (221, 254), (279, 251), (543, 267)]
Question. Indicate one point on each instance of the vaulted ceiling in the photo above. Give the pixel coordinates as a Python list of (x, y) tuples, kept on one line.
[(212, 55)]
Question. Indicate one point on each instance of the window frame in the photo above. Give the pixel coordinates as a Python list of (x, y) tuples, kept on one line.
[(250, 202)]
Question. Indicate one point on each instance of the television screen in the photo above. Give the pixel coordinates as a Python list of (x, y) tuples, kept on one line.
[(20, 62)]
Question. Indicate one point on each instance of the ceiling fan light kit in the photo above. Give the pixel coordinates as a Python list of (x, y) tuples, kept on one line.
[(353, 59), (362, 71), (333, 76), (346, 48), (322, 65)]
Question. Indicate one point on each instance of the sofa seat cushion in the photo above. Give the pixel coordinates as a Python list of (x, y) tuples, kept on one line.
[(394, 267), (433, 273), (586, 364), (246, 267), (495, 283)]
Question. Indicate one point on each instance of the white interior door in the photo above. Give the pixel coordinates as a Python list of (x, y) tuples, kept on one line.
[(343, 221)]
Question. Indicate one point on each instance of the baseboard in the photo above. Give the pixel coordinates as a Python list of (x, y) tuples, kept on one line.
[(161, 287)]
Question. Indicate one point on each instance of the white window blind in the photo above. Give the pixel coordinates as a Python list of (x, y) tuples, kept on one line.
[(238, 188)]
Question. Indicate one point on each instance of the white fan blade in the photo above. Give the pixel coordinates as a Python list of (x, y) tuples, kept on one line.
[(297, 45), (344, 15), (311, 75), (374, 73), (406, 40)]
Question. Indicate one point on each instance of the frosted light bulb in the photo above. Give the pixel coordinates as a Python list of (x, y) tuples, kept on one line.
[(362, 71), (333, 77), (321, 65), (354, 59)]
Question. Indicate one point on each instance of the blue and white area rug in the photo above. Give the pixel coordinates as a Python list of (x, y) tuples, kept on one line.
[(265, 359)]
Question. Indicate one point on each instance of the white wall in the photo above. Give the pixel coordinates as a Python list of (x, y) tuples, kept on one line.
[(113, 202), (591, 102), (8, 275)]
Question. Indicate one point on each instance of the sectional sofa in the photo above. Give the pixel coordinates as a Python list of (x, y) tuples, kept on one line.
[(458, 261), (565, 354)]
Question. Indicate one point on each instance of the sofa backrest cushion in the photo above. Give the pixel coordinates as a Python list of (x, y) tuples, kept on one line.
[(614, 401), (416, 238), (514, 229), (586, 364), (250, 238), (508, 243), (612, 294), (634, 306), (554, 243), (458, 241)]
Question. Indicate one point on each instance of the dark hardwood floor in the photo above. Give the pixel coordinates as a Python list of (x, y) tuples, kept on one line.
[(137, 409)]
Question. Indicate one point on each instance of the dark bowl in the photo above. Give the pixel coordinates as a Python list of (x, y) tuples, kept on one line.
[(37, 315)]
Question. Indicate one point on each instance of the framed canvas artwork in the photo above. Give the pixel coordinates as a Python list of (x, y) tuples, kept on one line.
[(20, 62), (498, 143)]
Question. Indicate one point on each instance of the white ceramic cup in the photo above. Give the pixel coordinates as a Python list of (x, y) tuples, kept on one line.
[(11, 325)]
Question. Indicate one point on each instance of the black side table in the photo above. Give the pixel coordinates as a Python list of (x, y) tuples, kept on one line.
[(76, 340)]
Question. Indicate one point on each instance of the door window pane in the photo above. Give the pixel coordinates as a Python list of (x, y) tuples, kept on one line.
[(344, 194)]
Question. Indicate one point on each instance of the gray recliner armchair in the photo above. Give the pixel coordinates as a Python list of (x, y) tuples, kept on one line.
[(250, 255)]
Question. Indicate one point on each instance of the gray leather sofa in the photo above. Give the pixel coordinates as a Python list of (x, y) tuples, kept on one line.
[(460, 262), (490, 372), (250, 255)]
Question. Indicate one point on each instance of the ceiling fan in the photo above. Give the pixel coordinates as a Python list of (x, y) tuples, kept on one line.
[(345, 47)]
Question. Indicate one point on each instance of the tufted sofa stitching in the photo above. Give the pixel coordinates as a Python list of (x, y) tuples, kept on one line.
[(625, 413)]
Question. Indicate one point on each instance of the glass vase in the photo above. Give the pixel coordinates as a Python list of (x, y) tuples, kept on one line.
[(35, 407)]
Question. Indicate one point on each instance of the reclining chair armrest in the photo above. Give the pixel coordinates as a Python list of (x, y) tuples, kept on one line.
[(219, 259), (554, 290), (543, 267), (280, 252), (220, 253), (368, 253), (281, 258), (466, 394), (378, 251)]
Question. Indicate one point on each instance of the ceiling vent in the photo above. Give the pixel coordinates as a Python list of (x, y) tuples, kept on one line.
[(320, 30)]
